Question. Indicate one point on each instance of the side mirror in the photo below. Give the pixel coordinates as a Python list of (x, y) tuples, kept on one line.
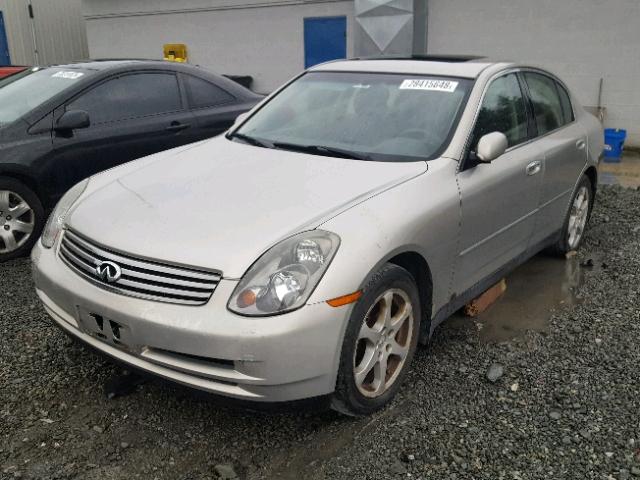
[(491, 146), (72, 120)]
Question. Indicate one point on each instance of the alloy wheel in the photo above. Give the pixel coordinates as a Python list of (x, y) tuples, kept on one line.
[(578, 217), (17, 221), (383, 343)]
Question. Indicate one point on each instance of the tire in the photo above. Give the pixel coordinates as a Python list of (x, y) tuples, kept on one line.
[(567, 241), (363, 394), (21, 219)]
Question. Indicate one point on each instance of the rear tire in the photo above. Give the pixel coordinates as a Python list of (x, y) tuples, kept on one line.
[(576, 219), (21, 219), (379, 343)]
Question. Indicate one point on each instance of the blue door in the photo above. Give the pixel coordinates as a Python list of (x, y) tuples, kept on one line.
[(4, 45), (325, 39)]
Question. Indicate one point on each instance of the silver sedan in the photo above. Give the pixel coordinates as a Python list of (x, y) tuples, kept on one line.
[(309, 250)]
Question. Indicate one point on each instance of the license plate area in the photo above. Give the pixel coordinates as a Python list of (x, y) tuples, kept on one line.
[(105, 329)]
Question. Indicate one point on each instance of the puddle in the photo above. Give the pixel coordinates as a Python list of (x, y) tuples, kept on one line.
[(534, 291)]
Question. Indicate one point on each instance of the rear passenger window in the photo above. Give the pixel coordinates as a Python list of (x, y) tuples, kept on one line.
[(205, 94), (565, 101), (503, 110), (547, 107)]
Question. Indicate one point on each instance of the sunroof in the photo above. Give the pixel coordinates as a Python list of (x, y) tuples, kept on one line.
[(424, 57)]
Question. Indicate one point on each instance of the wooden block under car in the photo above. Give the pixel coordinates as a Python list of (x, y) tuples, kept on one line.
[(479, 304)]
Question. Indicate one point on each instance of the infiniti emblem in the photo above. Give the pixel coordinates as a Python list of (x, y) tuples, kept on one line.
[(109, 272)]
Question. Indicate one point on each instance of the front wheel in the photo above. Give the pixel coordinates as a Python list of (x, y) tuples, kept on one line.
[(576, 219), (21, 219), (379, 343)]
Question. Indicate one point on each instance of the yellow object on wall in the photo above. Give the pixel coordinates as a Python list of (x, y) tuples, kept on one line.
[(175, 52)]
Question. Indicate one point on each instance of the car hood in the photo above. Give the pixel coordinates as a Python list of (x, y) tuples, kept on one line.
[(220, 204)]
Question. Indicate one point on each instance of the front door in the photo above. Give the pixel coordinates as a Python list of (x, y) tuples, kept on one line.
[(132, 116), (5, 59), (325, 39), (499, 200)]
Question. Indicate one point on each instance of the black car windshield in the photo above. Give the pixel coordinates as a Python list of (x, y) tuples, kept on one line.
[(373, 116), (21, 93)]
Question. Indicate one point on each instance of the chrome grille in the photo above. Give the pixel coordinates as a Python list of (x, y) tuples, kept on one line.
[(140, 278)]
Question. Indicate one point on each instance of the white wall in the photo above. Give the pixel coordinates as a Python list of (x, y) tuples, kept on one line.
[(59, 26), (18, 29), (260, 38), (580, 40)]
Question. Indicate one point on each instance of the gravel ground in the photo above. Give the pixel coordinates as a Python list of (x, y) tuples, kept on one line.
[(565, 404)]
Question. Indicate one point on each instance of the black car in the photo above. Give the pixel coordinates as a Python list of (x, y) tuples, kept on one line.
[(61, 124)]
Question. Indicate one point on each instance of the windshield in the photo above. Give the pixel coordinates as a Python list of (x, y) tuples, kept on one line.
[(383, 117), (21, 93)]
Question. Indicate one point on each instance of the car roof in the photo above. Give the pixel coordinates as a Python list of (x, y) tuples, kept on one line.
[(442, 65), (124, 65), (109, 63)]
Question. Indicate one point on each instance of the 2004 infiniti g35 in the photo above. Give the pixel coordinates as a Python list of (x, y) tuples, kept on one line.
[(309, 250)]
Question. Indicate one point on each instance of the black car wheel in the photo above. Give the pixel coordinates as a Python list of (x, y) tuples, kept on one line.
[(21, 219), (379, 343)]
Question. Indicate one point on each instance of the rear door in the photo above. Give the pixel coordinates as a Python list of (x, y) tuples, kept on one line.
[(564, 142), (214, 108), (498, 200), (132, 115)]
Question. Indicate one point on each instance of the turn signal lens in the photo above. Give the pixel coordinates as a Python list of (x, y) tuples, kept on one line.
[(246, 298), (345, 299)]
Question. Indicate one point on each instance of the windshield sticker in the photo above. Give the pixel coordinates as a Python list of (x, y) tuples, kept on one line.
[(432, 85), (68, 75)]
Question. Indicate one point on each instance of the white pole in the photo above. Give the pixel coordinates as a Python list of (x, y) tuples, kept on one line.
[(33, 34)]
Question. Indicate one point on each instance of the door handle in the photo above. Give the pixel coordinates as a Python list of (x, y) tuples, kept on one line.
[(177, 127), (534, 167), (580, 144)]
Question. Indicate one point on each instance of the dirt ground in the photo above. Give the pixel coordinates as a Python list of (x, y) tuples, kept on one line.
[(561, 349)]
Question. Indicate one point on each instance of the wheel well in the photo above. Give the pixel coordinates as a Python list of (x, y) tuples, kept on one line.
[(26, 180), (592, 175), (419, 269)]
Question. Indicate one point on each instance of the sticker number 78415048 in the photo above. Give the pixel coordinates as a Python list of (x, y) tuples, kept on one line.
[(429, 84)]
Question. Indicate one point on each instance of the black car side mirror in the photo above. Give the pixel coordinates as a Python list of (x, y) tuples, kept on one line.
[(72, 120)]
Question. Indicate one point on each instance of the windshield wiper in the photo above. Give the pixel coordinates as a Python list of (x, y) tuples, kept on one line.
[(323, 150), (251, 140)]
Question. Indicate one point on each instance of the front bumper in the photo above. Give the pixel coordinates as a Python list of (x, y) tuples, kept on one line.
[(281, 358)]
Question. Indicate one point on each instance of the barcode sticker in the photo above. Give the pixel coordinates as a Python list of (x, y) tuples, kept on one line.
[(433, 85), (68, 75)]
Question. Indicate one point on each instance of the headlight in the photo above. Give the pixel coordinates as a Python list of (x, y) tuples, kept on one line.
[(59, 215), (285, 276)]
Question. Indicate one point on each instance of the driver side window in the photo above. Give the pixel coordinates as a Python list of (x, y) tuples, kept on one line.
[(130, 96), (503, 110)]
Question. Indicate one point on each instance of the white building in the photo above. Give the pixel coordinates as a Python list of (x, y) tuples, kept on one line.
[(41, 32), (583, 41)]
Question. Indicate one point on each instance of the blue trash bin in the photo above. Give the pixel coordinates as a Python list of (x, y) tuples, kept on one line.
[(613, 144)]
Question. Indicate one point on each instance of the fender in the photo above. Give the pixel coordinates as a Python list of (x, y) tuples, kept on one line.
[(23, 175)]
